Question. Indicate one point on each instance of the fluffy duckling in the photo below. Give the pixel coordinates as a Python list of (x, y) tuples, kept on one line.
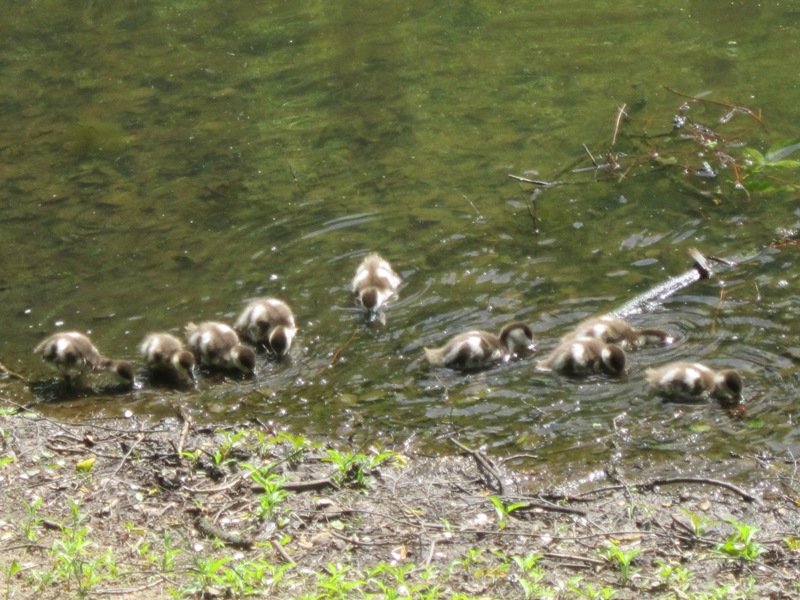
[(268, 322), (579, 356), (167, 358), (696, 381), (217, 345), (74, 355), (473, 350), (615, 330), (375, 283)]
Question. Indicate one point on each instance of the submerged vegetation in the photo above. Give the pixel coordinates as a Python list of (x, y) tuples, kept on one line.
[(704, 150)]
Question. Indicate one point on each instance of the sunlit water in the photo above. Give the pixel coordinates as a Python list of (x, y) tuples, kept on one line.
[(164, 163)]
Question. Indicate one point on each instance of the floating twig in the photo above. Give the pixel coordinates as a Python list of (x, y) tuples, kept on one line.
[(617, 122), (538, 182)]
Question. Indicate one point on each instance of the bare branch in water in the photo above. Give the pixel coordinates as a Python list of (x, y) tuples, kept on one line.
[(617, 122), (538, 182)]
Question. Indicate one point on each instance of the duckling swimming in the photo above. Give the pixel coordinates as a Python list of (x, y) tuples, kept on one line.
[(268, 322), (578, 356), (73, 355), (167, 359), (217, 345), (375, 283), (696, 381), (474, 350), (615, 330)]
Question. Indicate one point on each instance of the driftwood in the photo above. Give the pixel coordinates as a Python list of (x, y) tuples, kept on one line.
[(656, 295)]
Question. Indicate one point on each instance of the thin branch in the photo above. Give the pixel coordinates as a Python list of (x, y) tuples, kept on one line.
[(617, 122), (701, 480)]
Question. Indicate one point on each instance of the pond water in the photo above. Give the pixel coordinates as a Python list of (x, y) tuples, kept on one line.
[(165, 162)]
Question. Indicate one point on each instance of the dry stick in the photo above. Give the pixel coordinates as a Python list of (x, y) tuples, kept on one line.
[(187, 423), (586, 559), (338, 352), (485, 464), (617, 122), (591, 156), (723, 484), (280, 550), (533, 181), (11, 374), (138, 439)]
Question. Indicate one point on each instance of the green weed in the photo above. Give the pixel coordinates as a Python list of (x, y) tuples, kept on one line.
[(621, 558), (504, 510), (272, 484), (741, 543)]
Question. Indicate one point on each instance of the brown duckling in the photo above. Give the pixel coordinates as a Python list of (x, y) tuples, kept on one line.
[(615, 330), (578, 356), (217, 345), (375, 283), (167, 359), (473, 350), (268, 322), (696, 381), (73, 355)]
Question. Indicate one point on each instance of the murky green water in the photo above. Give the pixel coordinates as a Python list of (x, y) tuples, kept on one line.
[(164, 162)]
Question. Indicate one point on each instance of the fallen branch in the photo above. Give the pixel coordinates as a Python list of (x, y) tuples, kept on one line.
[(701, 480)]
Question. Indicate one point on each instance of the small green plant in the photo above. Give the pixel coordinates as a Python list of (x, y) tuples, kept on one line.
[(222, 454), (354, 466), (675, 576), (9, 571), (273, 493), (504, 510), (73, 562), (32, 519), (164, 560), (7, 460), (531, 575), (336, 584), (741, 543), (621, 558), (698, 523), (587, 590)]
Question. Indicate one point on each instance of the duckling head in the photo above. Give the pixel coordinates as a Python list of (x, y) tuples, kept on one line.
[(280, 340), (729, 385), (243, 358), (123, 370), (517, 337), (370, 298), (183, 362), (613, 359)]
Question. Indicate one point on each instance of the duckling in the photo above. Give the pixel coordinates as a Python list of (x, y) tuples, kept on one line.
[(615, 330), (217, 345), (73, 355), (270, 322), (167, 358), (473, 350), (375, 283), (578, 356), (696, 381)]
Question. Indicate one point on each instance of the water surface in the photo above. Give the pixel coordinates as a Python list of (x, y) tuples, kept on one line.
[(166, 162)]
